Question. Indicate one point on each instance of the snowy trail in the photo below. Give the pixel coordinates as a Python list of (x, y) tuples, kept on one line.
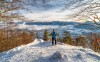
[(40, 51)]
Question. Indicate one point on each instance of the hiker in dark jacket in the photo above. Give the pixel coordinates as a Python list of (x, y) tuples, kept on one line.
[(54, 34)]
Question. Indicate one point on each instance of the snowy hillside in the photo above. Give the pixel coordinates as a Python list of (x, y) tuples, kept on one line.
[(40, 51)]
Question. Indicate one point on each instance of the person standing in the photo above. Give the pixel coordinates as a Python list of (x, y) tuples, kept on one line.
[(53, 35)]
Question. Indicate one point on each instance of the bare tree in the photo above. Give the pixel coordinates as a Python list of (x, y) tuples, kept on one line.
[(5, 10), (8, 6), (87, 11)]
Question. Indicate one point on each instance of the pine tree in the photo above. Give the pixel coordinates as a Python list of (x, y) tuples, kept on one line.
[(67, 37), (46, 35)]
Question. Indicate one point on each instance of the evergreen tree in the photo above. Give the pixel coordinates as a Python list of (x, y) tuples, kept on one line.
[(46, 35), (67, 37), (66, 33)]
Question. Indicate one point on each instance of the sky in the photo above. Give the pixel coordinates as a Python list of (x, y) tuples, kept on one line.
[(55, 10)]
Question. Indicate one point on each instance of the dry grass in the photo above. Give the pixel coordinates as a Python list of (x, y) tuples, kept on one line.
[(94, 41), (11, 39)]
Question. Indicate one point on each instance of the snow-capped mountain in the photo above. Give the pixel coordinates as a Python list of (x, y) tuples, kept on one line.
[(40, 51)]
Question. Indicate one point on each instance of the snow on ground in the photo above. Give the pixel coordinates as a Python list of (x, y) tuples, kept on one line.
[(40, 51)]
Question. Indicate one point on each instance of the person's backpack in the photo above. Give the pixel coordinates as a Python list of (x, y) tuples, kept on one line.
[(53, 35)]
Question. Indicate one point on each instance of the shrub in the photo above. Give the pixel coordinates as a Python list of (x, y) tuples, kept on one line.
[(67, 38), (94, 39), (80, 41), (46, 35)]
